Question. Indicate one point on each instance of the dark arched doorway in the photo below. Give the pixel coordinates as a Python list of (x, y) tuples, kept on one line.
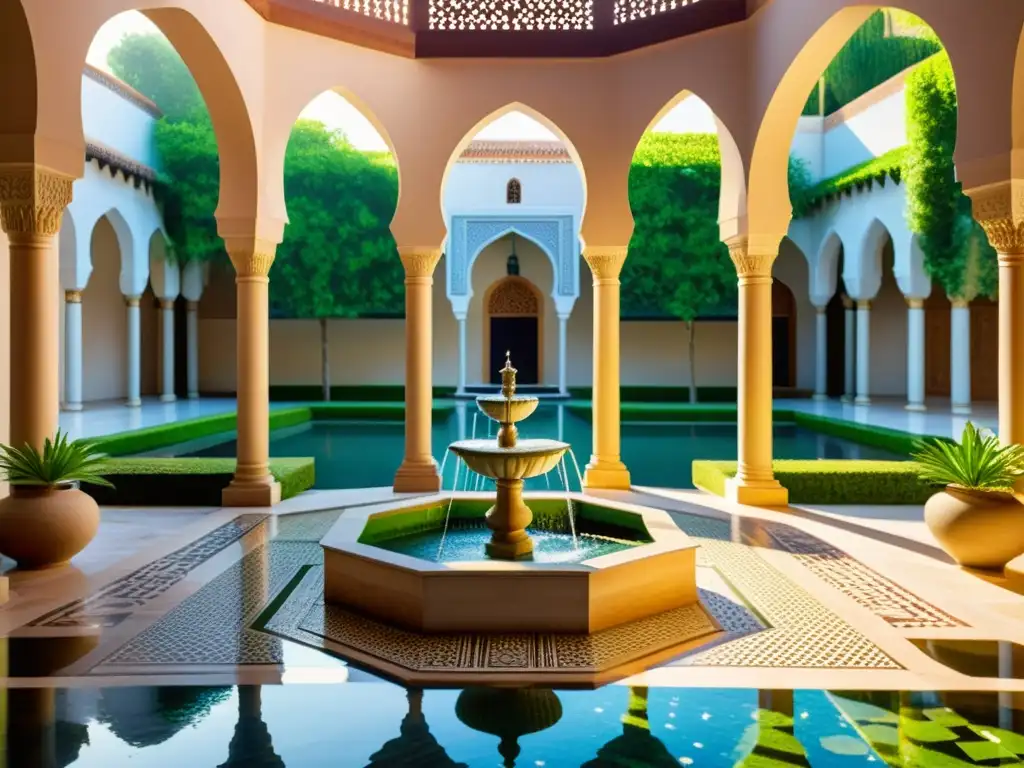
[(513, 324)]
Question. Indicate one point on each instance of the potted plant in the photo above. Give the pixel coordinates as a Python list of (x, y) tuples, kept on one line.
[(47, 520), (976, 518)]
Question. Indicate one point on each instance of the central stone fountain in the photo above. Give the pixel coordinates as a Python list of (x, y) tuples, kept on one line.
[(509, 461), (532, 588)]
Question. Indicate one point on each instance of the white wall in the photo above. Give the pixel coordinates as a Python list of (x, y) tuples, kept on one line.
[(480, 188), (112, 120)]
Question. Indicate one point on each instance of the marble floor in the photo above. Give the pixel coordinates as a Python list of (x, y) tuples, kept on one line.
[(835, 598)]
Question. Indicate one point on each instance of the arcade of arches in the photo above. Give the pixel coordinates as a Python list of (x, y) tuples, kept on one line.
[(257, 76)]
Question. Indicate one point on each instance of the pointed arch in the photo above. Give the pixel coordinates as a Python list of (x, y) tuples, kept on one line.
[(524, 231), (534, 114), (19, 116), (862, 271), (825, 275), (1018, 109)]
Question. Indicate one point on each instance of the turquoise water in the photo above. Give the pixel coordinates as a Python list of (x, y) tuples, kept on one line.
[(369, 723), (361, 454), (466, 545)]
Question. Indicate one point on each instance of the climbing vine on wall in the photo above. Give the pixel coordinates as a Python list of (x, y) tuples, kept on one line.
[(957, 254)]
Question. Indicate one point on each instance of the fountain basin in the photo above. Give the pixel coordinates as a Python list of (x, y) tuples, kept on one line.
[(653, 572), (526, 459), (518, 407)]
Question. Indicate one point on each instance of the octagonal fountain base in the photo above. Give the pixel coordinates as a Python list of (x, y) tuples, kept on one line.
[(628, 563)]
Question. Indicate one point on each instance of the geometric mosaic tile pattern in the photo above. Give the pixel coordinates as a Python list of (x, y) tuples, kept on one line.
[(115, 602), (212, 626), (485, 653), (883, 597), (801, 632)]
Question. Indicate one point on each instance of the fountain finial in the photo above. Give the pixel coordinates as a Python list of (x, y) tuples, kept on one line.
[(508, 377)]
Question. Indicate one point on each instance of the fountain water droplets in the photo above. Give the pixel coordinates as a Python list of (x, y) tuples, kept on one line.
[(564, 474), (444, 463), (576, 466), (448, 514)]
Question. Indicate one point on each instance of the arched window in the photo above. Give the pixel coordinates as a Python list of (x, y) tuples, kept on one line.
[(514, 192)]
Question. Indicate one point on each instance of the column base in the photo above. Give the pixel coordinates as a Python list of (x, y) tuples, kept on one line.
[(251, 494), (168, 398), (193, 395), (862, 400), (606, 475), (767, 493), (846, 399), (961, 410), (136, 403), (417, 478), (71, 407), (819, 397), (915, 407)]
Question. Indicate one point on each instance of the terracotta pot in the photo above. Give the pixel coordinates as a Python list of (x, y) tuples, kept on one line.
[(44, 527), (979, 529)]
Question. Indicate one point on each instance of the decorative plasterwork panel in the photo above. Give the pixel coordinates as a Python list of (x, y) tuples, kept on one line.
[(395, 11), (555, 235), (511, 15), (632, 10)]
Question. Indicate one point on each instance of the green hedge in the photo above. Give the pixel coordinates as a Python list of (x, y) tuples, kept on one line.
[(152, 438), (392, 393), (892, 440), (188, 482), (828, 481), (877, 170)]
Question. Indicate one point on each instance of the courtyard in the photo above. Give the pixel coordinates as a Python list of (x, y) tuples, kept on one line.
[(435, 383)]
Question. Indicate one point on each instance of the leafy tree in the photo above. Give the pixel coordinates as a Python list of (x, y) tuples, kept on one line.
[(677, 266), (957, 255), (338, 258), (150, 65)]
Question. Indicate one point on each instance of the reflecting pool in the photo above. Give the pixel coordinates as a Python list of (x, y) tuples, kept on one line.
[(377, 724), (362, 454)]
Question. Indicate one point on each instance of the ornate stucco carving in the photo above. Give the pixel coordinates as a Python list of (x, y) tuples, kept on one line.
[(605, 262), (751, 259), (251, 257), (999, 208), (419, 261), (513, 297), (32, 200)]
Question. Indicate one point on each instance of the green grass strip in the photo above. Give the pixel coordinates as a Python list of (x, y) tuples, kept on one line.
[(828, 481)]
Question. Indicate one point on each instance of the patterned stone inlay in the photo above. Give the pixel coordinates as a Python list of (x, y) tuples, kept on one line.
[(885, 598), (802, 631), (118, 600), (485, 652), (213, 626)]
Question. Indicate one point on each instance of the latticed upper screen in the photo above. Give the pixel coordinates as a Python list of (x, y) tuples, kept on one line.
[(632, 10), (396, 11), (511, 15)]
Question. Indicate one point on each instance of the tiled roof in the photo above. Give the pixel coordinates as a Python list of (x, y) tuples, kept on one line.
[(107, 157), (512, 151), (122, 89)]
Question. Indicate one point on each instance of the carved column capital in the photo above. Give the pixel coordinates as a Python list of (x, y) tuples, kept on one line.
[(132, 301), (913, 303), (167, 303), (999, 208), (863, 305), (192, 306), (960, 303), (605, 262), (419, 261), (847, 302), (32, 200), (753, 257), (73, 297), (251, 257)]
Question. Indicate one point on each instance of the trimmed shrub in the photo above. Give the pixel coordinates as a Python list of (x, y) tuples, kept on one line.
[(188, 482), (892, 440), (830, 481)]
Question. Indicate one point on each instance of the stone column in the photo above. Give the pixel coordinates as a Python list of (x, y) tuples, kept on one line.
[(605, 469), (134, 399), (999, 208), (563, 351), (915, 354), (192, 342), (253, 485), (32, 201), (418, 472), (863, 352), (960, 357), (72, 350), (849, 350), (755, 482), (167, 350), (461, 320), (821, 354)]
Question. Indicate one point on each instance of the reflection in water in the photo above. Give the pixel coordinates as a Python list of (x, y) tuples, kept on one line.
[(415, 744), (251, 745), (977, 658), (636, 747), (508, 713), (771, 737)]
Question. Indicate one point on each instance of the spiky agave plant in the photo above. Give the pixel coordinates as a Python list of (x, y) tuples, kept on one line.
[(61, 462), (978, 462)]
